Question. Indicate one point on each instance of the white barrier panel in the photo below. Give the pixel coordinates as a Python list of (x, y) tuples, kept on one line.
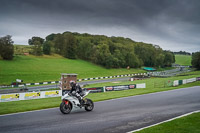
[(53, 93), (21, 96), (20, 85), (143, 85), (191, 80), (175, 83), (32, 95), (29, 95), (9, 97), (185, 81), (45, 83), (28, 83)]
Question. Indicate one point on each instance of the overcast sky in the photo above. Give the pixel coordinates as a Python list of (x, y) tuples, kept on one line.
[(172, 24)]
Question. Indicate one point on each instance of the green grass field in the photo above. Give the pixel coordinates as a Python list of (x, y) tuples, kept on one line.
[(184, 60), (21, 49), (48, 68), (187, 124)]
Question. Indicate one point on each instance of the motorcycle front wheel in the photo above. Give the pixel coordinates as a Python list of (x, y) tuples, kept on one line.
[(64, 108), (89, 105)]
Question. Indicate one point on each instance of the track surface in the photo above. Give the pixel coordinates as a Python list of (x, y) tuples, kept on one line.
[(117, 116)]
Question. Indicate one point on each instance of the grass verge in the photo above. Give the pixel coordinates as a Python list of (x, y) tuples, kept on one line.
[(184, 60), (33, 69), (187, 124), (154, 82), (36, 104)]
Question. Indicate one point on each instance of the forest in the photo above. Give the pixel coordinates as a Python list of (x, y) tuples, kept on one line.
[(110, 52)]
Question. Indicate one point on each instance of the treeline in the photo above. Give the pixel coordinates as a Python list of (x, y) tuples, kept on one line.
[(110, 52), (196, 60), (6, 47), (182, 53)]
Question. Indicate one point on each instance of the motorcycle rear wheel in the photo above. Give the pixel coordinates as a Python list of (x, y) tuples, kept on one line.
[(89, 105), (65, 109)]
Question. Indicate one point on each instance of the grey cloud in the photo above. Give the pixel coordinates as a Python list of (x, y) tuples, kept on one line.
[(162, 22)]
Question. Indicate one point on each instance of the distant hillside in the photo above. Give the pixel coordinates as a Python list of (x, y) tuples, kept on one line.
[(21, 49), (183, 60), (110, 52), (48, 68), (182, 53)]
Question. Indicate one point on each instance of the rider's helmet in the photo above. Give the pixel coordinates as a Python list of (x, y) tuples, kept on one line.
[(72, 83)]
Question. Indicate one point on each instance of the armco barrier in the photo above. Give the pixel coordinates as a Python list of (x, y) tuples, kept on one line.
[(85, 79), (29, 95), (40, 83)]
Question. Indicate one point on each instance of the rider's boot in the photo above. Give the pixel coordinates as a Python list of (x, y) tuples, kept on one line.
[(81, 102)]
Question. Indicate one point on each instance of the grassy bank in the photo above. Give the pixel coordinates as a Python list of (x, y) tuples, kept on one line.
[(27, 105), (188, 124), (151, 82), (184, 60), (48, 68)]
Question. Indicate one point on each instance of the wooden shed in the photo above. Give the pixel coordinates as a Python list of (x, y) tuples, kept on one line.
[(65, 80)]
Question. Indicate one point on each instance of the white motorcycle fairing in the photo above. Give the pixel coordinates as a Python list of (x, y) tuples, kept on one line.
[(70, 101)]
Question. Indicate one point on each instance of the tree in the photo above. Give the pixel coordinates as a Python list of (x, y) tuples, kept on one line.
[(34, 39), (86, 48), (58, 42), (50, 37), (196, 60), (116, 52), (132, 60), (70, 47), (119, 59), (47, 48), (6, 48), (103, 56), (37, 49), (182, 53), (37, 43), (169, 58)]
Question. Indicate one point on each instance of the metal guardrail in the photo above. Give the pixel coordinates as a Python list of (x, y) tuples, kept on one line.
[(79, 80)]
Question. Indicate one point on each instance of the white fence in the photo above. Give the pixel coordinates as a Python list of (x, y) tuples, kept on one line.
[(184, 81), (143, 85)]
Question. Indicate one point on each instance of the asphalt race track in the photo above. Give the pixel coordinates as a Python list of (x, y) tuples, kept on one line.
[(112, 116)]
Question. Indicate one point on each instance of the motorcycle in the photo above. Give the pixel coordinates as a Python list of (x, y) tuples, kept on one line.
[(70, 101)]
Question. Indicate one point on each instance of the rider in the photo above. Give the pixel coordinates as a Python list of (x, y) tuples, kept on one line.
[(78, 90)]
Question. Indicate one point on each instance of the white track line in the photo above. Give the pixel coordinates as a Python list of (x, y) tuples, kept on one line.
[(164, 121)]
